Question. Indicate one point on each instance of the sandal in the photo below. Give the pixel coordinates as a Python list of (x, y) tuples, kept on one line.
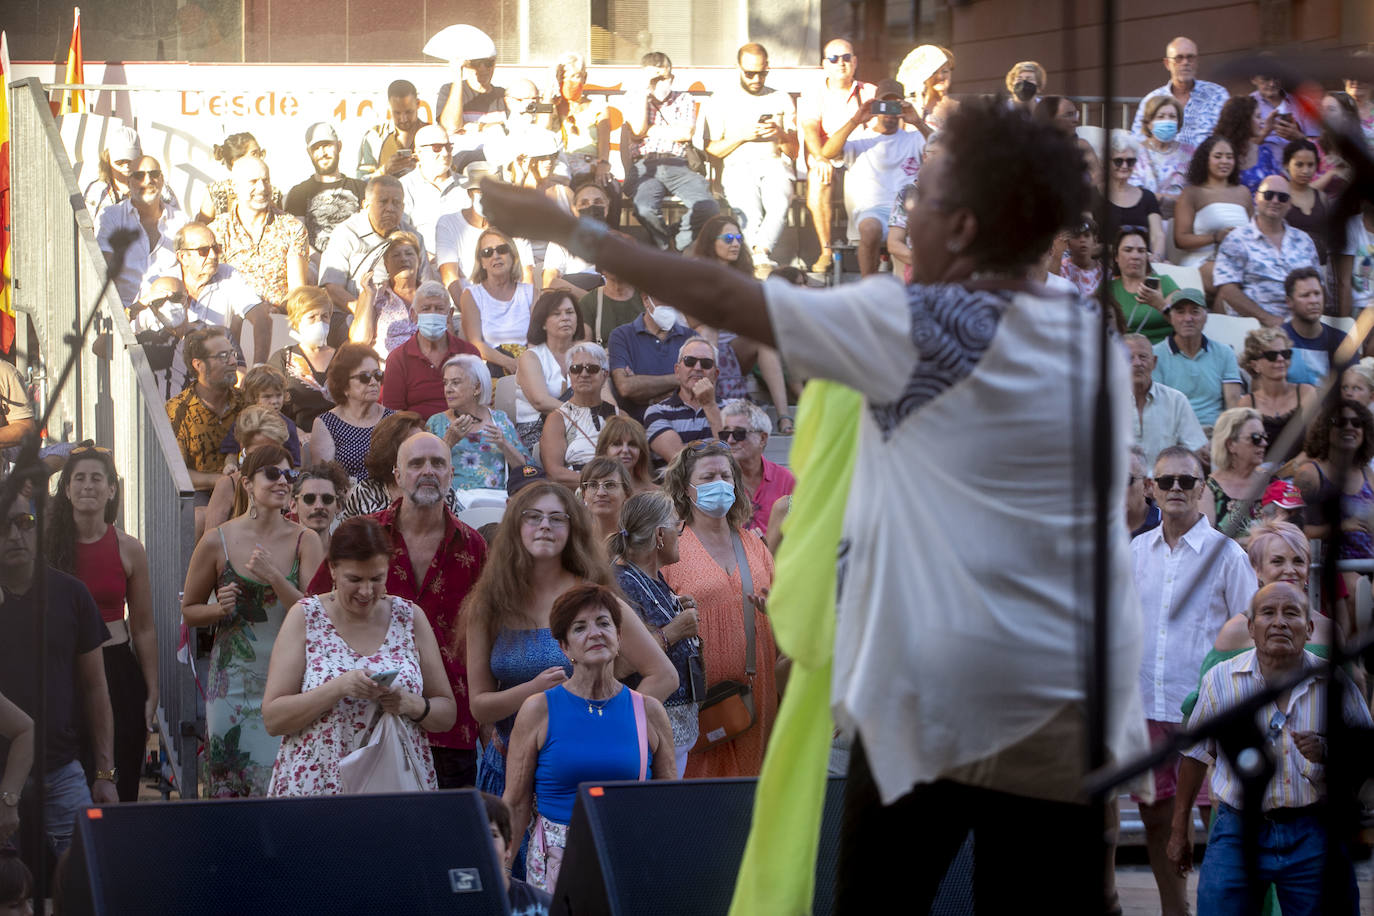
[(789, 429)]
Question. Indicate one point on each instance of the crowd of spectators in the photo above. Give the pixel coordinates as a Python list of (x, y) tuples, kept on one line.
[(444, 372)]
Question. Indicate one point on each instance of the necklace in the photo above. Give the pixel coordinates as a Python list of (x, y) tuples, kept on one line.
[(598, 707)]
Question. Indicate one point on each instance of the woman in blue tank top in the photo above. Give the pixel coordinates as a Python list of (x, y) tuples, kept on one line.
[(590, 728)]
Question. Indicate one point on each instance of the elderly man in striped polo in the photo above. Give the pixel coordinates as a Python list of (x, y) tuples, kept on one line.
[(1292, 841), (693, 411)]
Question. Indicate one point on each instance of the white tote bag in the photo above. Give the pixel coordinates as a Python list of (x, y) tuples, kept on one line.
[(384, 762)]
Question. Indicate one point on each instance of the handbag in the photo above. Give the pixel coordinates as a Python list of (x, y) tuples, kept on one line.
[(728, 710), (696, 159), (383, 763)]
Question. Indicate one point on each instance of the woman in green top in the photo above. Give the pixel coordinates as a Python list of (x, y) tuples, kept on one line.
[(1141, 303)]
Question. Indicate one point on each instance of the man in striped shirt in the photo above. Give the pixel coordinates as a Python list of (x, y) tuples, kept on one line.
[(1292, 841), (693, 411)]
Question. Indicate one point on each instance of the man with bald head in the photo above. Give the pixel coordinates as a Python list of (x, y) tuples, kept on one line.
[(216, 293), (161, 322), (1200, 99), (1253, 261), (435, 561), (268, 245), (152, 219), (1292, 841)]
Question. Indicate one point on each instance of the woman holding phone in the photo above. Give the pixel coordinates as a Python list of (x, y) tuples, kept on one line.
[(1137, 290)]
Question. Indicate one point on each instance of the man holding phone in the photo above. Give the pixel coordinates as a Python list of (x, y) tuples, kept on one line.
[(754, 130), (879, 165), (1289, 121)]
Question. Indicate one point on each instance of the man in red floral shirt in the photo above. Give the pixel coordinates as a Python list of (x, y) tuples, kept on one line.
[(435, 560)]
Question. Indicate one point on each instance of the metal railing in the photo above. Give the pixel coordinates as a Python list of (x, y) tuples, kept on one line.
[(58, 269)]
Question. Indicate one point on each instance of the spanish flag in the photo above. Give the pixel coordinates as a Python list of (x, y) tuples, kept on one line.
[(6, 302), (74, 100)]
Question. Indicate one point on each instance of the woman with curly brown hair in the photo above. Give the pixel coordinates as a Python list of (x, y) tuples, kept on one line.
[(1340, 443), (1240, 123)]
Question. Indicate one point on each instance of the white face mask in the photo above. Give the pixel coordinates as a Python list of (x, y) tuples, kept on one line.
[(313, 334), (665, 316), (477, 204), (175, 315)]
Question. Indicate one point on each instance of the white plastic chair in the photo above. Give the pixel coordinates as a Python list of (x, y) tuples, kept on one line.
[(503, 395), (1185, 277), (1230, 330)]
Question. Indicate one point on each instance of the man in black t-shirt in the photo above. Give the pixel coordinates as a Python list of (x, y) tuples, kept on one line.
[(327, 197), (75, 675)]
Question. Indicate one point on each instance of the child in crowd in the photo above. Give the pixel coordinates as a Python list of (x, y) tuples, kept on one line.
[(1080, 263), (525, 899), (264, 386)]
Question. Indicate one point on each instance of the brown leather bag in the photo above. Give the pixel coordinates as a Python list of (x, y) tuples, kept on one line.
[(729, 710)]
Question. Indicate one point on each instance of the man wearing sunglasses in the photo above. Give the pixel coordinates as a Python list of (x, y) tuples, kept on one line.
[(154, 220), (692, 412), (745, 428), (821, 111), (317, 496), (1292, 838), (216, 293), (1254, 260), (432, 189), (1191, 579)]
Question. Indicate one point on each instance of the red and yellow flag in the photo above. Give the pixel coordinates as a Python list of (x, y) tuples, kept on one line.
[(6, 301), (74, 100)]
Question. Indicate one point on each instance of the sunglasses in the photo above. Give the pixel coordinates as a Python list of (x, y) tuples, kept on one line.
[(1185, 481), (274, 473), (142, 174), (1345, 423), (709, 445), (1281, 196), (437, 147), (1258, 439), (836, 58), (692, 362), (176, 298), (24, 521), (754, 74), (204, 250), (494, 249), (584, 369), (730, 238), (326, 499), (376, 375), (732, 435), (1122, 162), (90, 447), (1275, 355)]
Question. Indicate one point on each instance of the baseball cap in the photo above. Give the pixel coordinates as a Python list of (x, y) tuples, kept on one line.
[(475, 172), (890, 88), (1282, 493), (320, 132), (1187, 294), (430, 134), (122, 143)]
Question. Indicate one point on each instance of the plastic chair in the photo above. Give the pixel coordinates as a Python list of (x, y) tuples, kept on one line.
[(1230, 330), (1185, 277), (503, 395)]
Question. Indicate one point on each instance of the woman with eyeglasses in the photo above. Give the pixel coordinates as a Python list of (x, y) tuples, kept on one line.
[(544, 546), (603, 488), (241, 565), (344, 432), (1340, 443), (1137, 290), (568, 440), (1241, 123), (623, 439), (1267, 355), (721, 241), (647, 540), (1131, 205), (380, 489), (1239, 473), (1163, 165), (542, 370), (1213, 203), (485, 443), (496, 306), (305, 363), (220, 196), (82, 540), (706, 486)]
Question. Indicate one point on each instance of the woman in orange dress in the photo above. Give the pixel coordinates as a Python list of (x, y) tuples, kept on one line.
[(704, 481)]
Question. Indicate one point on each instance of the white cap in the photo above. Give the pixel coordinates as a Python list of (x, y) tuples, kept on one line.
[(429, 134), (320, 132), (122, 143)]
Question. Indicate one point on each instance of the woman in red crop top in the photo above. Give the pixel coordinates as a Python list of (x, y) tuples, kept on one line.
[(83, 542)]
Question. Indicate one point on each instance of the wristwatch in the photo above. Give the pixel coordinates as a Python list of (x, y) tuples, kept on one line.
[(10, 799), (109, 775), (586, 236)]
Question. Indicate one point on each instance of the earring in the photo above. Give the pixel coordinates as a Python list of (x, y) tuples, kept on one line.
[(252, 508)]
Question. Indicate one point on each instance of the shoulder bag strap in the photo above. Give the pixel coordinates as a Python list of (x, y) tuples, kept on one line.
[(746, 588), (600, 300), (641, 733)]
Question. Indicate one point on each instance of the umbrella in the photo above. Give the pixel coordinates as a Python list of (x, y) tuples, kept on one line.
[(459, 43)]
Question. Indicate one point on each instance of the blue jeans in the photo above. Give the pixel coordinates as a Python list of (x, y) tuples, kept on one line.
[(652, 180), (67, 795), (760, 194), (1292, 855)]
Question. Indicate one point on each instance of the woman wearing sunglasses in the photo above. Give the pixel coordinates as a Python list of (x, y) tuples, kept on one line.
[(496, 305), (1239, 474), (241, 565), (570, 432), (256, 425), (344, 432), (1132, 205), (720, 240), (1340, 443), (1267, 355)]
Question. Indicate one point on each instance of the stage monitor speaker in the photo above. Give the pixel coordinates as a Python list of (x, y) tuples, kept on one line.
[(427, 852)]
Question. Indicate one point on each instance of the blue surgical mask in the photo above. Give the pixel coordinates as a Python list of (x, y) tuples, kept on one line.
[(715, 497), (1164, 131), (432, 325)]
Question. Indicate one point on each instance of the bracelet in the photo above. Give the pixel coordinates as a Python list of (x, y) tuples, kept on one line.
[(106, 775), (663, 638), (421, 717)]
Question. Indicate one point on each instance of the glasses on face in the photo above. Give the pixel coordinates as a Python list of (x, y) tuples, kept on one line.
[(494, 249), (1274, 356), (325, 499), (1345, 422), (609, 485), (836, 58), (376, 375), (204, 250), (692, 362), (584, 369), (733, 435), (1185, 58), (1258, 439), (1281, 196), (437, 148), (176, 298), (533, 518), (754, 74), (274, 473), (1185, 481), (1122, 162), (731, 238), (148, 174), (24, 521), (223, 356)]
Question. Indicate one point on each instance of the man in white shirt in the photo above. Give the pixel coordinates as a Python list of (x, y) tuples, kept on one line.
[(456, 236), (216, 293), (357, 244), (431, 189), (1191, 579), (754, 130), (1163, 416), (878, 165), (146, 212), (1200, 99)]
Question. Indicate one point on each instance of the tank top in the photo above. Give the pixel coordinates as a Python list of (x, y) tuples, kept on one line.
[(597, 746), (98, 566), (1273, 426), (351, 443), (554, 379), (1355, 545), (504, 321)]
